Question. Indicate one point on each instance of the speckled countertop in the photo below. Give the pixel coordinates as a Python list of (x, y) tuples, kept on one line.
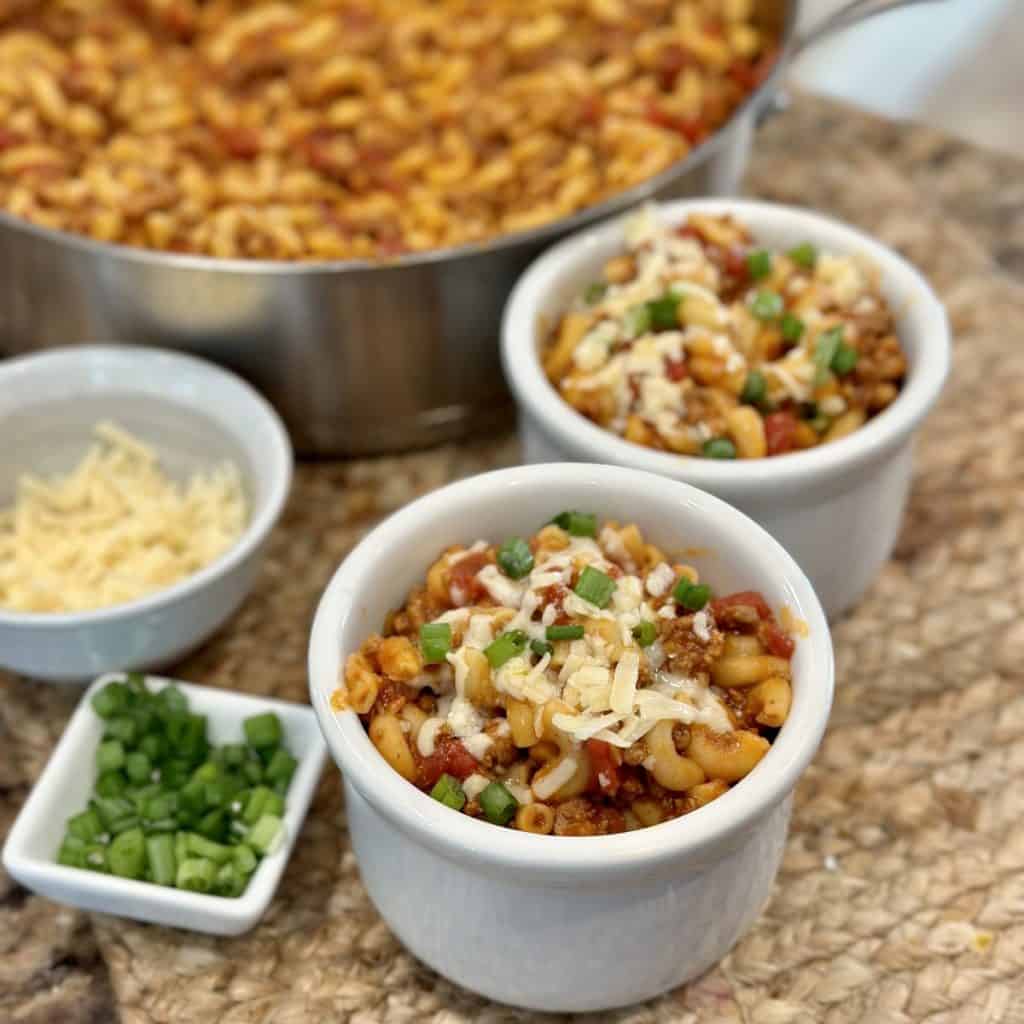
[(903, 882)]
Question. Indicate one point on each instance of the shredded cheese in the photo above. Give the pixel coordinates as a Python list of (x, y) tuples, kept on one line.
[(113, 529)]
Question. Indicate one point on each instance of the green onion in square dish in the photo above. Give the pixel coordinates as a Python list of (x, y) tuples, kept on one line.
[(167, 806)]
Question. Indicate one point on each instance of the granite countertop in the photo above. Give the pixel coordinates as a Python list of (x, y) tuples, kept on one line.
[(904, 873)]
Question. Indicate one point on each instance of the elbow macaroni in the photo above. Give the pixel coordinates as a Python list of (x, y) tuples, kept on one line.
[(317, 132), (631, 711)]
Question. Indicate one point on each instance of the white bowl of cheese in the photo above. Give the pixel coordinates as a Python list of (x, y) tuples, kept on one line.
[(137, 490)]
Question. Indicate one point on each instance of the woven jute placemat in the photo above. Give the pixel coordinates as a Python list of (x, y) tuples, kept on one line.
[(902, 891)]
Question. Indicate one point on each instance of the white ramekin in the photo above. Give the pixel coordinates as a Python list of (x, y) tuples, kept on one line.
[(548, 922), (837, 508), (194, 414)]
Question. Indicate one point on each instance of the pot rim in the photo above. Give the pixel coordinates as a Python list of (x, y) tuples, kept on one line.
[(488, 847)]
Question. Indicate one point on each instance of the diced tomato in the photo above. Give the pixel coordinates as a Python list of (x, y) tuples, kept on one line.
[(672, 59), (239, 141), (780, 431), (465, 587), (776, 642), (604, 760), (9, 138), (450, 758), (592, 108), (748, 597), (675, 369), (691, 128), (734, 261)]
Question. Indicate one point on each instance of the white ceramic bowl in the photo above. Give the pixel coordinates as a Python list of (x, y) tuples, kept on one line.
[(837, 508), (64, 788), (195, 415), (549, 922)]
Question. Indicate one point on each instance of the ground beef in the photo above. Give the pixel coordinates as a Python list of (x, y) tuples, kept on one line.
[(685, 652), (581, 817)]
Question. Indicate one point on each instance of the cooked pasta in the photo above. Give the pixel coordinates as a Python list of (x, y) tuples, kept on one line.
[(573, 683), (354, 129), (114, 529), (699, 341)]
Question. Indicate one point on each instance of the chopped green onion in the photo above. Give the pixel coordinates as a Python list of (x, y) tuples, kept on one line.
[(664, 312), (820, 424), (506, 646), (137, 766), (172, 699), (449, 792), (844, 360), (767, 305), (198, 846), (515, 559), (228, 882), (718, 448), (564, 632), (121, 728), (263, 731), (86, 826), (256, 804), (759, 263), (127, 855), (162, 864), (136, 682), (233, 754), (71, 853), (755, 387), (245, 859), (111, 784), (281, 767), (196, 874), (212, 824), (109, 756), (153, 746), (637, 320), (825, 349), (577, 524), (792, 327), (540, 648), (692, 596), (595, 586), (804, 255), (645, 633), (267, 834), (435, 641), (595, 292), (498, 804), (110, 700)]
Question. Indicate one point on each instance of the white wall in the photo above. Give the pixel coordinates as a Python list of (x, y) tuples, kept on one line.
[(891, 63)]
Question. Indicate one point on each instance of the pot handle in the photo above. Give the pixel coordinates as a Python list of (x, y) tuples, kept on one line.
[(849, 14)]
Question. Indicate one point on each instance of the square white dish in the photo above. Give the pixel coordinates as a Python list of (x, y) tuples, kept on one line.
[(63, 789)]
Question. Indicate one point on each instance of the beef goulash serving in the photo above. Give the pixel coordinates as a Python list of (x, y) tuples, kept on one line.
[(576, 683), (700, 340), (354, 129)]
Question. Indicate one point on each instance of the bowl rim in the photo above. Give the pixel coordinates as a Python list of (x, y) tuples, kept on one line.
[(279, 459), (484, 845), (555, 417)]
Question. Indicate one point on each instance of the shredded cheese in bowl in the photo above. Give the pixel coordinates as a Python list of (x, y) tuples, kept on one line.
[(113, 529)]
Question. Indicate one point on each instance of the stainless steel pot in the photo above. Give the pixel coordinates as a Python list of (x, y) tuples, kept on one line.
[(357, 358)]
